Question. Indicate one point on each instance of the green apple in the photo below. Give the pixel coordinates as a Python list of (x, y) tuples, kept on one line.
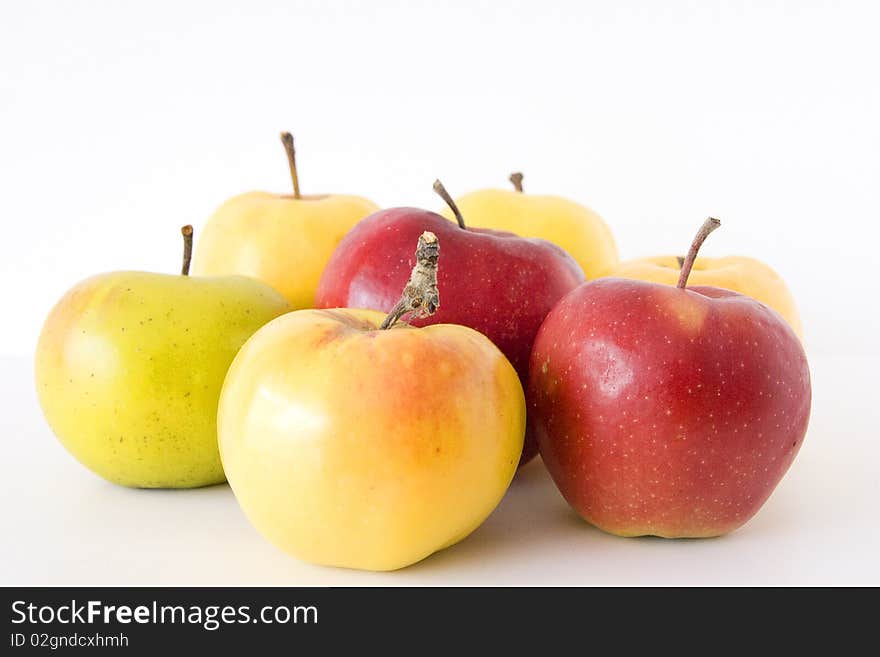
[(129, 367)]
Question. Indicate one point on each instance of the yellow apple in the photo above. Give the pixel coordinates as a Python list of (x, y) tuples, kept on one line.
[(738, 273), (129, 367), (284, 240), (348, 443), (576, 228)]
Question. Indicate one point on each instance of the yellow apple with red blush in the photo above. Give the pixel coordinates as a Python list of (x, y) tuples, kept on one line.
[(353, 440)]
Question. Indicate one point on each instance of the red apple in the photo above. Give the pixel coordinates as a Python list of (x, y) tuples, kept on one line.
[(667, 411), (498, 283)]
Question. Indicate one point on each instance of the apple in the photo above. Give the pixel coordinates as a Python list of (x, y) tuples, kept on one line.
[(284, 240), (352, 440), (667, 411), (498, 283), (129, 367), (575, 227), (747, 276)]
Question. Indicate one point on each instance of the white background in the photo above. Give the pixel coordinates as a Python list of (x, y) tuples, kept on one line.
[(120, 122)]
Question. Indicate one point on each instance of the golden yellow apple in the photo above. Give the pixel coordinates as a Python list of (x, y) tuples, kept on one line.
[(576, 228), (129, 367), (738, 273), (351, 441), (282, 239)]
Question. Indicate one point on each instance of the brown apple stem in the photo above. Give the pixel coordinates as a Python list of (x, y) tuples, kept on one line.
[(516, 179), (442, 193), (680, 261), (420, 296), (708, 226), (187, 232), (287, 140)]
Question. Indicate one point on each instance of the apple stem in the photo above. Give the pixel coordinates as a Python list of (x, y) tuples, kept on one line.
[(680, 261), (442, 193), (516, 179), (287, 140), (708, 226), (187, 232), (420, 296)]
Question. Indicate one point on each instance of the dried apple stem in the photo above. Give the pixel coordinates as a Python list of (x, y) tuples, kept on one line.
[(420, 296), (442, 193), (287, 140), (516, 179), (708, 226), (187, 232)]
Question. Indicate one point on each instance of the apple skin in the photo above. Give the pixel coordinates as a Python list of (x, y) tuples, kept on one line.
[(276, 238), (362, 448), (574, 227), (747, 276), (667, 412), (498, 283), (129, 367)]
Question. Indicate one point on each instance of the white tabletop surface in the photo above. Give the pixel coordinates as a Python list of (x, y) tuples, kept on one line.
[(63, 525)]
